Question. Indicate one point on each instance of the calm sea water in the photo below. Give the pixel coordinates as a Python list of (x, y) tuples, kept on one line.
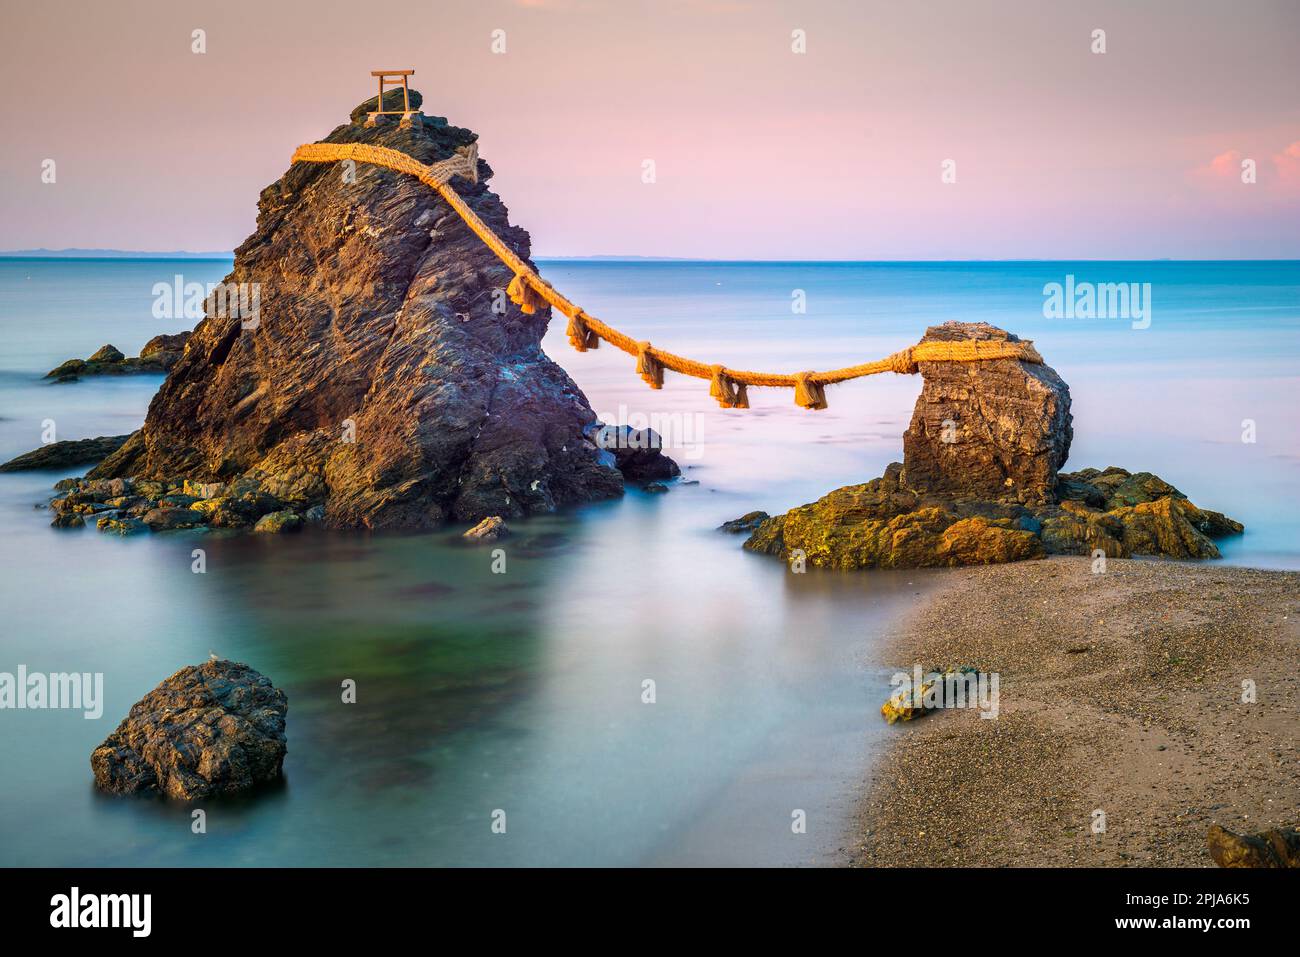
[(523, 692)]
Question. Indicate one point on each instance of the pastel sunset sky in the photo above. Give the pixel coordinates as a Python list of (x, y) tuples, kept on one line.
[(760, 152)]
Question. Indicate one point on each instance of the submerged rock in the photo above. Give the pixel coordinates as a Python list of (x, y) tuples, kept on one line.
[(488, 530), (980, 485), (638, 453), (158, 355), (278, 523), (59, 455), (215, 728), (377, 381), (746, 523), (1279, 847)]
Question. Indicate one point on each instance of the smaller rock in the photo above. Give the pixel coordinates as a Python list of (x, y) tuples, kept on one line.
[(638, 453), (276, 523), (1279, 847), (165, 518), (202, 490), (177, 500), (215, 728), (655, 488), (67, 520), (746, 523), (488, 530), (121, 526), (107, 353)]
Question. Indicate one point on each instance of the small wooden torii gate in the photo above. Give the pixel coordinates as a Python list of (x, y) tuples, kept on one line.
[(408, 115)]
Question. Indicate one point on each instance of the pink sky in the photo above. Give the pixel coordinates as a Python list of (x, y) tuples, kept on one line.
[(760, 152)]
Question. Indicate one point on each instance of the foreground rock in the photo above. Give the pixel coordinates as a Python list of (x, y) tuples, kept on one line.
[(159, 354), (215, 728), (376, 382), (1279, 847), (980, 485)]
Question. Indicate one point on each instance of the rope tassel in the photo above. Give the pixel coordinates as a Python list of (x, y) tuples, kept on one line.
[(807, 393), (580, 336), (648, 367), (729, 393), (523, 295)]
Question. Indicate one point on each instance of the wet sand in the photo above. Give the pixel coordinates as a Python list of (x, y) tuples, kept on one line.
[(1121, 692)]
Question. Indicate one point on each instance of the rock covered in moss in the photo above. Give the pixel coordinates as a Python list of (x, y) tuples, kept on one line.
[(885, 524), (215, 728), (278, 523), (121, 526)]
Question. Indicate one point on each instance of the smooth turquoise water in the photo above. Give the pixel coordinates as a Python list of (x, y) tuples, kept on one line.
[(522, 691)]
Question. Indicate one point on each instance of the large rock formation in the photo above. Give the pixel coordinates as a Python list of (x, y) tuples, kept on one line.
[(385, 379), (979, 485), (215, 728)]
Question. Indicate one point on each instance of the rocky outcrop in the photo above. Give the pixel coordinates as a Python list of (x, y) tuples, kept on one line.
[(59, 455), (638, 453), (1279, 847), (159, 354), (995, 429), (980, 485), (885, 524), (215, 728), (386, 379)]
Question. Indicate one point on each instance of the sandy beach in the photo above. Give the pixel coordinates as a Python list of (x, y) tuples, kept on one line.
[(1120, 692)]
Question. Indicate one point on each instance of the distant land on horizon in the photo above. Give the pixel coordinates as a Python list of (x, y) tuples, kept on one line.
[(75, 253), (109, 254)]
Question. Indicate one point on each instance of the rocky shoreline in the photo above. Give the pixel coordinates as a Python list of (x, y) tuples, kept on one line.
[(273, 502), (1121, 692)]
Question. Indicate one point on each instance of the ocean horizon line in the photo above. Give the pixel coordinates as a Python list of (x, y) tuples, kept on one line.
[(167, 256)]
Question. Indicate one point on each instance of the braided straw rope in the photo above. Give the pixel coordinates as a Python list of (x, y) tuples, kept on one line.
[(529, 290)]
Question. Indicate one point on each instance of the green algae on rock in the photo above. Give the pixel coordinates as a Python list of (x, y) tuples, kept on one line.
[(980, 485)]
